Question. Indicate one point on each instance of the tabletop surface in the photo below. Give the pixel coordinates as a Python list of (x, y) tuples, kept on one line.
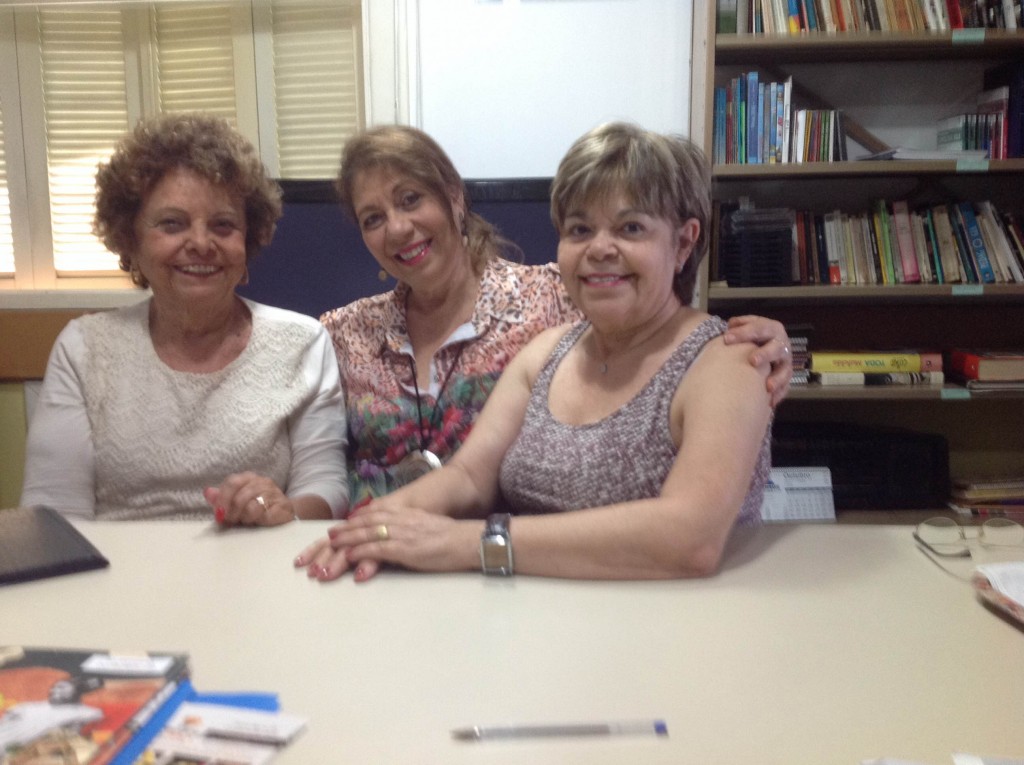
[(814, 644)]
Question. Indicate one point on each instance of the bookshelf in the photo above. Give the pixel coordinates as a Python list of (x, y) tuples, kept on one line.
[(912, 78)]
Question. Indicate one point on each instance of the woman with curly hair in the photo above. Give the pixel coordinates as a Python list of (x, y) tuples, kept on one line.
[(194, 402)]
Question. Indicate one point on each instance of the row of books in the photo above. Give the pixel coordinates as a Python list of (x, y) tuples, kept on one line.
[(977, 369), (997, 124), (94, 707), (794, 17), (754, 122), (958, 242)]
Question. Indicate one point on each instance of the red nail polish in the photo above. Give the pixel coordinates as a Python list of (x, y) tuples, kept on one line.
[(218, 514)]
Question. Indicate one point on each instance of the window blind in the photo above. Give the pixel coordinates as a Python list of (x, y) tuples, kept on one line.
[(6, 237), (316, 83), (195, 54), (82, 58)]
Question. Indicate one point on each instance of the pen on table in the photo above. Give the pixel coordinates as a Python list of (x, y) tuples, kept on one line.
[(488, 732)]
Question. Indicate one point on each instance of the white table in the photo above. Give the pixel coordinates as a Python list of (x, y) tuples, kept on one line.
[(815, 644)]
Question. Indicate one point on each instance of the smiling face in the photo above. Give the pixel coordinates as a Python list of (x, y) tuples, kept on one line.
[(407, 229), (190, 239), (618, 263)]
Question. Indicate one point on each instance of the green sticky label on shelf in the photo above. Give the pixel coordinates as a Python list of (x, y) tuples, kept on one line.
[(972, 165), (954, 394), (972, 36), (960, 290)]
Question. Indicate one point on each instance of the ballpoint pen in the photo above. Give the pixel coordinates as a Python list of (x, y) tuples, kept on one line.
[(488, 732)]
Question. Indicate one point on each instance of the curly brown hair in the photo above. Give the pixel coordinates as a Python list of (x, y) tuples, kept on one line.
[(201, 143)]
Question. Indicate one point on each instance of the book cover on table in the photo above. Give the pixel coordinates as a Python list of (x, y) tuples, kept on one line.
[(82, 707)]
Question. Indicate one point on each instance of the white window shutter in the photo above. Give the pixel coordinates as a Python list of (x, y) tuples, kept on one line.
[(6, 233), (317, 83), (84, 94), (195, 59)]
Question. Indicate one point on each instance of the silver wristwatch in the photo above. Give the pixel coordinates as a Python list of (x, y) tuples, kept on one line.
[(496, 546)]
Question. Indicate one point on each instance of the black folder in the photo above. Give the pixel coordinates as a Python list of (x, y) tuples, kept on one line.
[(38, 542)]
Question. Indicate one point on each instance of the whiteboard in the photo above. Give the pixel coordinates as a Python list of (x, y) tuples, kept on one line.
[(506, 86)]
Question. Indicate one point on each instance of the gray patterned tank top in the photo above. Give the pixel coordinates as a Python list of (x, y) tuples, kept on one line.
[(554, 467)]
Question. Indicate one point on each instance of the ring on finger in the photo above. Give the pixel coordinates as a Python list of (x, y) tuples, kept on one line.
[(262, 503), (785, 350), (382, 533)]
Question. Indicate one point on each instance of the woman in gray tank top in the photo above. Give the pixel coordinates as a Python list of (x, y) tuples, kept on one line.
[(640, 420)]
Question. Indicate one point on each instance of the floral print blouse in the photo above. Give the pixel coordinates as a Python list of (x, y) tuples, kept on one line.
[(515, 303)]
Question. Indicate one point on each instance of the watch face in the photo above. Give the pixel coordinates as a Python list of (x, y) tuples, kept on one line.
[(495, 554)]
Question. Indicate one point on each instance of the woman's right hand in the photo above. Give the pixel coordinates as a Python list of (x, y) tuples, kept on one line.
[(323, 562)]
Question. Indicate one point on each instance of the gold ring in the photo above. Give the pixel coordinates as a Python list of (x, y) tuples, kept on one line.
[(382, 533), (261, 502)]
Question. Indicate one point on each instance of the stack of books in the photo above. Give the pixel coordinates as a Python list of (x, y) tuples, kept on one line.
[(988, 371), (876, 368), (989, 496), (89, 707)]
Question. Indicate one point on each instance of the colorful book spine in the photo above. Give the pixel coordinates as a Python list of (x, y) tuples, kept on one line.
[(905, 241), (987, 365), (880, 378), (869, 361), (793, 17), (753, 123), (977, 243)]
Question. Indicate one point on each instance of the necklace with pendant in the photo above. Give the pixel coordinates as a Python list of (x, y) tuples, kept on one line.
[(421, 461)]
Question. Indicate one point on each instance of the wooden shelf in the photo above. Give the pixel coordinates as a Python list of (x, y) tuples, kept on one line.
[(953, 294), (893, 167), (868, 46), (815, 392)]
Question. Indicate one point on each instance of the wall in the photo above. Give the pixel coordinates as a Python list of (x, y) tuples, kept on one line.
[(317, 260), (507, 85)]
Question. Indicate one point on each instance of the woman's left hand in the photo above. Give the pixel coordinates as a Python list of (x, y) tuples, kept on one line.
[(772, 346), (410, 538), (249, 499)]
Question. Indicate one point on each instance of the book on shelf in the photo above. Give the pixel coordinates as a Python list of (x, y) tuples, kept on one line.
[(989, 488), (82, 706), (1011, 76), (725, 17), (875, 361), (879, 378), (976, 243), (1013, 511), (988, 365), (38, 542), (908, 153)]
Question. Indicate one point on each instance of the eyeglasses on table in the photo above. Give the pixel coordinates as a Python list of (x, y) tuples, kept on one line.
[(946, 538)]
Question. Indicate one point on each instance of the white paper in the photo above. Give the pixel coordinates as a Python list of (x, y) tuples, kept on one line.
[(1006, 578)]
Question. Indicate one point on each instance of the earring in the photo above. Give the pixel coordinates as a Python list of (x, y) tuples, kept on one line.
[(382, 275), (464, 229)]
